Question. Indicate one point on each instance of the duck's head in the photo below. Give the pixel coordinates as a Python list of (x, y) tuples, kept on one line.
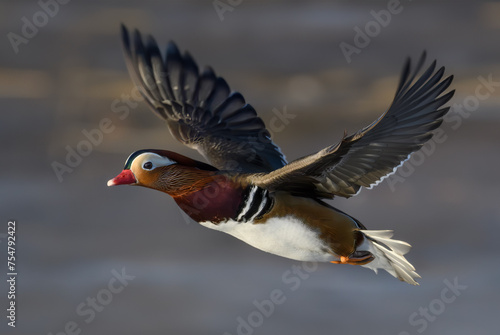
[(162, 170)]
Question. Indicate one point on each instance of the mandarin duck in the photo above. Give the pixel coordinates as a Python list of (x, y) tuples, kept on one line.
[(249, 190)]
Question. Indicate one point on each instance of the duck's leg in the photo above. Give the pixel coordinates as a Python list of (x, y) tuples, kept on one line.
[(356, 258)]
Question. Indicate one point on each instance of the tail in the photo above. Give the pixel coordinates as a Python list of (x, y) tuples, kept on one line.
[(388, 255)]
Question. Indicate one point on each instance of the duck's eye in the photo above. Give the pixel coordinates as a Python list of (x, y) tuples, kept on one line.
[(148, 166)]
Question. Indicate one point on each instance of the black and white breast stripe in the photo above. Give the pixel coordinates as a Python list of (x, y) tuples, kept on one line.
[(257, 202)]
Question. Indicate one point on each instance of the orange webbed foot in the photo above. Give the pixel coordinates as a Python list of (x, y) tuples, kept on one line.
[(360, 260)]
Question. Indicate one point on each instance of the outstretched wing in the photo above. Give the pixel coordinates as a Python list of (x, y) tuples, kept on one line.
[(366, 157), (200, 109)]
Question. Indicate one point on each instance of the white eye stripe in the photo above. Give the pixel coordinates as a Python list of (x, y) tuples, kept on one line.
[(155, 159)]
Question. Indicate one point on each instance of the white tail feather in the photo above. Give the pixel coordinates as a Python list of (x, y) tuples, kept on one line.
[(388, 255)]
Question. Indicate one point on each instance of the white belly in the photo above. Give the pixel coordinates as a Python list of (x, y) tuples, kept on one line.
[(285, 236)]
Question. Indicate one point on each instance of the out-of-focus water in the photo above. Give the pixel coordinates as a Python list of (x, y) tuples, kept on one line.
[(99, 260)]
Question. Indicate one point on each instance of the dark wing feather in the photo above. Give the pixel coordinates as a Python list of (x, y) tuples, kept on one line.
[(366, 157), (200, 109)]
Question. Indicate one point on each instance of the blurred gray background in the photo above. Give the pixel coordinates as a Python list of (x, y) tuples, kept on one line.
[(74, 235)]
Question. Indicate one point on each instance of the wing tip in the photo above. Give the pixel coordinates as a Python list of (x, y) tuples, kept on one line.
[(172, 50), (125, 38)]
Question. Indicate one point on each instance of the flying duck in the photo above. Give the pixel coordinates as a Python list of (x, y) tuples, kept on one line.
[(249, 190)]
